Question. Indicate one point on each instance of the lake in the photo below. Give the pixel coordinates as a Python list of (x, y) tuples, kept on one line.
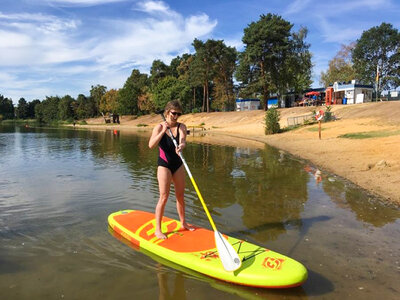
[(58, 186)]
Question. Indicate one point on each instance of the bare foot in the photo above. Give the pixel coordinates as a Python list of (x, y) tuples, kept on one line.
[(160, 235), (188, 227)]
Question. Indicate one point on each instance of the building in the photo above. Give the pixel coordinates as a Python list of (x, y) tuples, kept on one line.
[(348, 93), (272, 102), (247, 104)]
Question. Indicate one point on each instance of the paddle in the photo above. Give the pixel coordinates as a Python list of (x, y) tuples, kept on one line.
[(229, 258)]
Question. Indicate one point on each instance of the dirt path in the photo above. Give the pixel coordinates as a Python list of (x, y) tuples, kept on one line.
[(372, 163)]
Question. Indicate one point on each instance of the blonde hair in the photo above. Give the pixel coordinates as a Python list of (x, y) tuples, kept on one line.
[(174, 104)]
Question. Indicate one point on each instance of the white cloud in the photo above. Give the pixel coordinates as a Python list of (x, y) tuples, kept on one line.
[(142, 42), (236, 43), (80, 2), (36, 39), (310, 8), (296, 7), (78, 55), (10, 39), (339, 7), (153, 6), (332, 32)]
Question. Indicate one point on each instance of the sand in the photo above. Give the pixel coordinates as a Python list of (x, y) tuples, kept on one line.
[(371, 163)]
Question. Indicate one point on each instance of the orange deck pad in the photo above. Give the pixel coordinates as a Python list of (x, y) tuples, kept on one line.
[(179, 239)]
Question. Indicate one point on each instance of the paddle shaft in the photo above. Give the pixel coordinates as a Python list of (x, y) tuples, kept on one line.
[(192, 180), (228, 256)]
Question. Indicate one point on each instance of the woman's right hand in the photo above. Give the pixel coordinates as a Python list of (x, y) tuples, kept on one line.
[(157, 134), (164, 127)]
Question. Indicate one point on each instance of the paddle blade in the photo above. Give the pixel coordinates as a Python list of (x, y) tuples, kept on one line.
[(229, 258)]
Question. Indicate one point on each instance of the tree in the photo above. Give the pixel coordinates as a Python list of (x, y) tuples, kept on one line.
[(340, 67), (187, 74), (96, 92), (22, 109), (31, 108), (298, 66), (378, 48), (128, 96), (174, 65), (272, 57), (145, 101), (170, 88), (85, 107), (65, 108), (158, 71), (109, 101), (202, 69), (6, 108), (47, 110), (224, 66)]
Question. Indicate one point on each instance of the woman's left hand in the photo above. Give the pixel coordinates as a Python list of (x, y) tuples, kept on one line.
[(180, 147)]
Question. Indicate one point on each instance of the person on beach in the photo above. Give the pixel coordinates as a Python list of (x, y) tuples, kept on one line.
[(170, 167)]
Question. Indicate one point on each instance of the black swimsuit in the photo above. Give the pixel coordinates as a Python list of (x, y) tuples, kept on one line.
[(168, 157)]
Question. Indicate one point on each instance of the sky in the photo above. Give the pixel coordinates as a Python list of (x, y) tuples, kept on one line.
[(64, 47)]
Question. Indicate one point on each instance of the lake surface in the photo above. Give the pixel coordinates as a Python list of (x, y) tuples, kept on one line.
[(58, 186)]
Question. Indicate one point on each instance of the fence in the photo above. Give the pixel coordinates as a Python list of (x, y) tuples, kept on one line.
[(292, 121)]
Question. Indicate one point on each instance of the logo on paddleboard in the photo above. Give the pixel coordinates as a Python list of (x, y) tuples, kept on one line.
[(209, 254), (273, 263)]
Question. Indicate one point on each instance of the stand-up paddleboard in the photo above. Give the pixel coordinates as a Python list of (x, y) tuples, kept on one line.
[(196, 250)]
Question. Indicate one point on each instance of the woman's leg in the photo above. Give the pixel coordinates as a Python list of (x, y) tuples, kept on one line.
[(164, 183), (179, 183)]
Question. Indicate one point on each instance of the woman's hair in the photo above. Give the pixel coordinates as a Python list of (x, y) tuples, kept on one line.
[(174, 104)]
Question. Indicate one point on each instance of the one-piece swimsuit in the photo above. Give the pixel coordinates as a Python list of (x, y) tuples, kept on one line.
[(168, 157)]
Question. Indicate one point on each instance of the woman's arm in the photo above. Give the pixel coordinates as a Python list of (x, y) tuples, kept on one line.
[(157, 134), (182, 138)]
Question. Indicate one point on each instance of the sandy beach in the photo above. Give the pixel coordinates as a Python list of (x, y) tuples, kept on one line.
[(372, 163)]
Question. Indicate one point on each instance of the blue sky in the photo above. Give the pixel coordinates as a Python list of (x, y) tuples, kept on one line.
[(60, 47)]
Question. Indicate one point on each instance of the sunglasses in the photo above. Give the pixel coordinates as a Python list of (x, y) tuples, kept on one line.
[(174, 113)]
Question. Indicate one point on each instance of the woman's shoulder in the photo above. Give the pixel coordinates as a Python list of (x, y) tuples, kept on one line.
[(157, 128)]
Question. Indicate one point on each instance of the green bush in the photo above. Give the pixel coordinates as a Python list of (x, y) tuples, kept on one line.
[(328, 116), (196, 110), (272, 117)]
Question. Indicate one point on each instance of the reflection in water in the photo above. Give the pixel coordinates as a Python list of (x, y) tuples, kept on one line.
[(274, 192), (366, 208), (178, 289), (58, 186)]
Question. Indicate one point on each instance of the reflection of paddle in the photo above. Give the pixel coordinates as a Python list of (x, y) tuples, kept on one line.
[(229, 258)]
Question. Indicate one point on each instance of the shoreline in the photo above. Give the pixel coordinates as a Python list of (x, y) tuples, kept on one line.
[(371, 163)]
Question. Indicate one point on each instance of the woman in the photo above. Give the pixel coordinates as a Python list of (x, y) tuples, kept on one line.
[(170, 167)]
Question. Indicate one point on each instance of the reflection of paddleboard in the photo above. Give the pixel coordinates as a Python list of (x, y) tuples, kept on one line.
[(196, 250)]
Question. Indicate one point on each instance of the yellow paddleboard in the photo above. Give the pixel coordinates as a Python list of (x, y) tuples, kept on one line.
[(196, 250)]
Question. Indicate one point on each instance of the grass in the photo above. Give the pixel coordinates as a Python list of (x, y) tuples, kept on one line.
[(19, 121), (370, 134), (290, 128), (142, 125), (314, 129)]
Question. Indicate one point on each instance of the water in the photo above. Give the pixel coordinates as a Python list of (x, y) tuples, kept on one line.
[(58, 186)]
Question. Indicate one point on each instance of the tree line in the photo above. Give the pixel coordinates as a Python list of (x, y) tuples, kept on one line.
[(373, 59), (275, 60)]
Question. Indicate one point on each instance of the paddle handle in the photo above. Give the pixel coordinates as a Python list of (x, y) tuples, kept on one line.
[(192, 179)]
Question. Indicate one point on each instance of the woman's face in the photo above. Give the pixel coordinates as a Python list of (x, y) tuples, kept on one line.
[(173, 115)]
